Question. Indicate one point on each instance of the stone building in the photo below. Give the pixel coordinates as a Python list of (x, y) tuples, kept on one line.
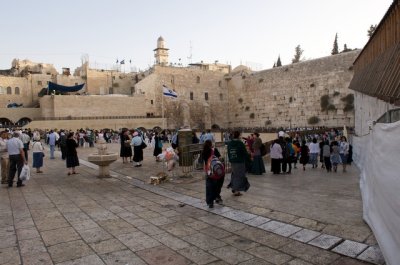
[(210, 95)]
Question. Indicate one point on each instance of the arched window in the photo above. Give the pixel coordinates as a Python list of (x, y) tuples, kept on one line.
[(9, 90), (220, 83), (2, 90), (16, 91), (198, 80)]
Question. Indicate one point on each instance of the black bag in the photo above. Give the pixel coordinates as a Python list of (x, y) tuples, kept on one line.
[(143, 145)]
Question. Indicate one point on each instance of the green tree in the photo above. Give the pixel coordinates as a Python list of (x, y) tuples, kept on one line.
[(279, 63), (371, 30), (274, 65), (297, 55), (335, 49)]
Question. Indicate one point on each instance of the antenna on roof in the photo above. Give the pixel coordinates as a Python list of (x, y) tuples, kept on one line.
[(190, 53)]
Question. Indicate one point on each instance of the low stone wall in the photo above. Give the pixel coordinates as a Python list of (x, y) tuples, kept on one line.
[(15, 114), (114, 124), (92, 106)]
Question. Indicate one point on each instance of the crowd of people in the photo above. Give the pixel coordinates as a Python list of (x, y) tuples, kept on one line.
[(245, 154), (329, 149)]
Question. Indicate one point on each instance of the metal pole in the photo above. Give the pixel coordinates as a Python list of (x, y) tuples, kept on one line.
[(162, 107)]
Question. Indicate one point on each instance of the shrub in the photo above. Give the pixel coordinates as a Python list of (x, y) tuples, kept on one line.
[(260, 80), (324, 102), (336, 93), (247, 108), (252, 115), (240, 100), (331, 107), (313, 120), (349, 102), (268, 122)]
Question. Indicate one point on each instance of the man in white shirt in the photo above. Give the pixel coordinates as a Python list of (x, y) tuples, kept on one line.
[(52, 143), (16, 155), (24, 137)]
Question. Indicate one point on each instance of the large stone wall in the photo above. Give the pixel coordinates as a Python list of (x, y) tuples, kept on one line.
[(92, 106), (288, 96)]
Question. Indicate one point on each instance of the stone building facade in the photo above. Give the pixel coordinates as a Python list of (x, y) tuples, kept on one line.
[(209, 95)]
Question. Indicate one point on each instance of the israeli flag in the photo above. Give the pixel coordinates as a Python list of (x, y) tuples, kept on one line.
[(168, 92)]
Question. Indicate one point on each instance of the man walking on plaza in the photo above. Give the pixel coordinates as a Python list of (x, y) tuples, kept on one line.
[(16, 154), (24, 137), (52, 143)]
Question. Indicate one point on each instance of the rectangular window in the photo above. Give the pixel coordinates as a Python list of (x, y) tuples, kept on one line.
[(151, 102), (206, 96), (191, 95), (221, 97)]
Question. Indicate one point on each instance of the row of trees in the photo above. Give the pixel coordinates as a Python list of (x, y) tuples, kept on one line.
[(335, 50)]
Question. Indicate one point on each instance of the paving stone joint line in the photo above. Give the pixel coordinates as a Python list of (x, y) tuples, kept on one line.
[(338, 246)]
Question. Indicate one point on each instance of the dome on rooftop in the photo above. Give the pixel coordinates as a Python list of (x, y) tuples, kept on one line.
[(160, 38)]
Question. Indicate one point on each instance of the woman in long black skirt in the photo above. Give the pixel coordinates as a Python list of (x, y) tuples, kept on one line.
[(126, 149), (213, 186), (71, 154), (157, 145), (304, 154)]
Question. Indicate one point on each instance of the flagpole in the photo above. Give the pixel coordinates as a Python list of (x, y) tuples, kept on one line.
[(162, 108)]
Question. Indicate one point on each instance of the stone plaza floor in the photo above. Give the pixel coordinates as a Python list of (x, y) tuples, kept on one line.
[(308, 217)]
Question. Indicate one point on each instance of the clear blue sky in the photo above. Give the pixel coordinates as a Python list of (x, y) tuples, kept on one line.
[(233, 31)]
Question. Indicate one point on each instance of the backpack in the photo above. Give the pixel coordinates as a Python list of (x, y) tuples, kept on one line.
[(216, 168), (263, 150), (291, 149)]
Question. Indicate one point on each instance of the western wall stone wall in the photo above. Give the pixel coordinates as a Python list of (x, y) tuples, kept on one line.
[(92, 106), (198, 113), (288, 96)]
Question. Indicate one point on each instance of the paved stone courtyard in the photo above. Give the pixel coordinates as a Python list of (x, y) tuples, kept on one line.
[(308, 217)]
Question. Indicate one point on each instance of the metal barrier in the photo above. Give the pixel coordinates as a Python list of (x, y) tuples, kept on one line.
[(190, 157)]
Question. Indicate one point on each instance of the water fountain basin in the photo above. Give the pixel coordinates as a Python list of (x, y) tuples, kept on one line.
[(103, 159)]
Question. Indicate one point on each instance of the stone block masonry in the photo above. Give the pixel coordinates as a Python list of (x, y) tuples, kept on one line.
[(291, 94)]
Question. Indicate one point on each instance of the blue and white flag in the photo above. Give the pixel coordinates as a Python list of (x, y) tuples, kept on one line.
[(168, 92)]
